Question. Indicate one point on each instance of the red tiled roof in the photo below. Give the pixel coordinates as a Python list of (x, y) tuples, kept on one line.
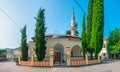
[(11, 51)]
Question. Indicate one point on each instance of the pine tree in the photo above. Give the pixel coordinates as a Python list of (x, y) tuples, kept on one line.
[(89, 26), (40, 42), (23, 47), (96, 41), (84, 43)]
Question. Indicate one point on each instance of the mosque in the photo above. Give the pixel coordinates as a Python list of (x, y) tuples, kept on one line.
[(63, 46)]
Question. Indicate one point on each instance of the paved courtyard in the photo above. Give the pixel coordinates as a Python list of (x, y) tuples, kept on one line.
[(106, 67)]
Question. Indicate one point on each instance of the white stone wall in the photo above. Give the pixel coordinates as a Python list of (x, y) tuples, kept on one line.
[(64, 42), (52, 42), (104, 49), (31, 48)]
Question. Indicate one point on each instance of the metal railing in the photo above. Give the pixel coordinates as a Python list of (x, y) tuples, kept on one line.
[(76, 58)]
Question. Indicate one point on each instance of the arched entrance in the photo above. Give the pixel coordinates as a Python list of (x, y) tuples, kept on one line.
[(76, 51), (58, 54)]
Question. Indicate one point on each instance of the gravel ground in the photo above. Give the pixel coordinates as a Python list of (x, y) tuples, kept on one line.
[(113, 66)]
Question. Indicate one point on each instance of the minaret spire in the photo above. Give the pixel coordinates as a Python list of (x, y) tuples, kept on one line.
[(73, 18), (73, 24)]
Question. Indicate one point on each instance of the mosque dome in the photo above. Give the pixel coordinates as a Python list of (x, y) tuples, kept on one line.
[(57, 36)]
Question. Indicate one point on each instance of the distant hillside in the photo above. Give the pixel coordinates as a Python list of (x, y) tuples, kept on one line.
[(8, 49)]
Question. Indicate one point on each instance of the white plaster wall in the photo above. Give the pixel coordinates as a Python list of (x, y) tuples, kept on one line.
[(31, 48), (64, 42), (52, 42), (104, 49)]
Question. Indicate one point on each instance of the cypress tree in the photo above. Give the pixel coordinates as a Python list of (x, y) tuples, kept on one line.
[(97, 26), (84, 43), (40, 42), (89, 26), (23, 47)]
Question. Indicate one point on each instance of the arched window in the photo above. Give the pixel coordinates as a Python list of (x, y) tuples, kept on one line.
[(76, 51)]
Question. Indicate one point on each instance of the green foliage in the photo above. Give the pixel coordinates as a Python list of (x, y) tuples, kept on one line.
[(114, 41), (2, 51), (96, 41), (89, 25), (40, 42), (23, 47), (68, 32), (84, 40)]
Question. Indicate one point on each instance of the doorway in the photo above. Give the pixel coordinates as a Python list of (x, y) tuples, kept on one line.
[(57, 57), (58, 54)]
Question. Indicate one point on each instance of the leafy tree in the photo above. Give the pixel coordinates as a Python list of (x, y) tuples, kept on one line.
[(2, 51), (89, 26), (40, 42), (84, 42), (114, 41), (96, 41), (23, 47)]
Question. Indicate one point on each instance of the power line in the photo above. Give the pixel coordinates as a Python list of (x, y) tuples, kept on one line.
[(80, 7), (9, 17)]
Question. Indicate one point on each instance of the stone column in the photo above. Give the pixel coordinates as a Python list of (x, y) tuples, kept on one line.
[(86, 58), (32, 59), (51, 56), (99, 58), (18, 59), (68, 55)]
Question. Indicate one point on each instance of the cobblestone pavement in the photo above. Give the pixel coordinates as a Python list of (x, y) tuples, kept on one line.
[(106, 67)]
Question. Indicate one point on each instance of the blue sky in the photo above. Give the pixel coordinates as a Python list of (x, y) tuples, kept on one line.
[(57, 14)]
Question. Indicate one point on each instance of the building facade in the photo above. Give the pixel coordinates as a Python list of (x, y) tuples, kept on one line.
[(13, 53), (59, 44), (64, 46)]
